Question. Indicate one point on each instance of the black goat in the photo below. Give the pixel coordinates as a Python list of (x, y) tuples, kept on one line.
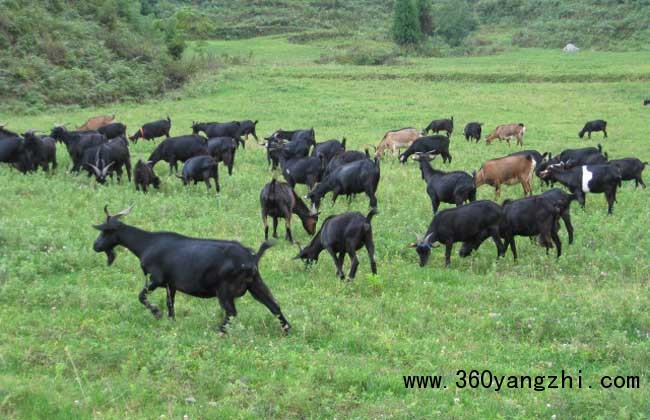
[(595, 125), (216, 129), (247, 127), (631, 169), (343, 158), (340, 235), (301, 142), (223, 149), (455, 187), (15, 151), (646, 102), (279, 200), (584, 179), (361, 176), (328, 149), (104, 159), (152, 130), (471, 223), (113, 130), (536, 215), (179, 148), (473, 131), (143, 176), (77, 142), (199, 267), (43, 150), (432, 145), (435, 126), (301, 170), (201, 168)]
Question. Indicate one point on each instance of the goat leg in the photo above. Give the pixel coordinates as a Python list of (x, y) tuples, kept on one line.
[(143, 299), (262, 294), (228, 305), (171, 294)]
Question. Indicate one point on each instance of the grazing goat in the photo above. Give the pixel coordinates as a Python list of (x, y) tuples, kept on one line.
[(152, 130), (143, 176), (279, 200), (431, 145), (584, 179), (179, 148), (646, 102), (302, 170), (199, 267), (473, 131), (631, 169), (223, 149), (437, 126), (455, 187), (595, 125), (201, 168), (104, 159), (470, 223), (508, 170), (361, 176), (94, 123), (340, 235), (396, 140), (507, 132), (112, 130)]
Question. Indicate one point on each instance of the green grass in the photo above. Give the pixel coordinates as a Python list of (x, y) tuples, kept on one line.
[(75, 341)]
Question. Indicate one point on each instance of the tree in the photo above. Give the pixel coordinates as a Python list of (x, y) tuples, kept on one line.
[(424, 15), (454, 21), (406, 26)]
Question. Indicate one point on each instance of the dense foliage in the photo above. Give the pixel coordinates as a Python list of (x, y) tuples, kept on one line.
[(84, 53)]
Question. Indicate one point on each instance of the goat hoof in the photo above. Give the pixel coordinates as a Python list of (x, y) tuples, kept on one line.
[(223, 334), (286, 328)]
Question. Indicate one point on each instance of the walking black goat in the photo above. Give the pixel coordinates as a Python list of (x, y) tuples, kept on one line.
[(455, 187), (340, 235), (199, 267)]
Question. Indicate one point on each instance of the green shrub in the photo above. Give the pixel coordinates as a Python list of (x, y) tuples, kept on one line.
[(454, 20)]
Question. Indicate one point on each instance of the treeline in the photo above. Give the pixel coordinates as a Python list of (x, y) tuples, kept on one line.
[(85, 53), (603, 24)]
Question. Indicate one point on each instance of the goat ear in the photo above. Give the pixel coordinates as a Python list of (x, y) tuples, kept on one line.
[(413, 245)]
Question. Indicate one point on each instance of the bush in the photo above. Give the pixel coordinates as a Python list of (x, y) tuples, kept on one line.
[(454, 21), (367, 54), (424, 16)]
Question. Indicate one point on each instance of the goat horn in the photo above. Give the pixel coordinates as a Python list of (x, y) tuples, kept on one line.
[(106, 211), (95, 169), (417, 237), (106, 168), (426, 238), (124, 212)]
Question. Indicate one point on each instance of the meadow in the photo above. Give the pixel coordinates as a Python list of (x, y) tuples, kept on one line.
[(75, 341)]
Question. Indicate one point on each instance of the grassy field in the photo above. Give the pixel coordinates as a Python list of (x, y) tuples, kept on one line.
[(75, 341)]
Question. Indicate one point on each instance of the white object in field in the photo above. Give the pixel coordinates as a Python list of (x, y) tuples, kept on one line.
[(570, 48)]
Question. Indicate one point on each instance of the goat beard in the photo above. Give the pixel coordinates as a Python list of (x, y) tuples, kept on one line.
[(110, 256)]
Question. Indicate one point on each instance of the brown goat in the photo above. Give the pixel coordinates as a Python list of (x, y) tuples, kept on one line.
[(507, 132), (509, 170), (94, 123), (397, 139)]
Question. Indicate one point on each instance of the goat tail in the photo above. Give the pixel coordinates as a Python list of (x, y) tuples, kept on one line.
[(262, 249), (371, 214), (600, 148)]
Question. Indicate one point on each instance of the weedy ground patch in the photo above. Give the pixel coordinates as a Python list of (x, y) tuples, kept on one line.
[(75, 341)]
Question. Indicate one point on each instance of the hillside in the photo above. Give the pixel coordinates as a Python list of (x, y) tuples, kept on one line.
[(81, 53)]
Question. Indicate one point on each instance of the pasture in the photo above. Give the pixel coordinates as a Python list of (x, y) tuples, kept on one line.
[(75, 341)]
